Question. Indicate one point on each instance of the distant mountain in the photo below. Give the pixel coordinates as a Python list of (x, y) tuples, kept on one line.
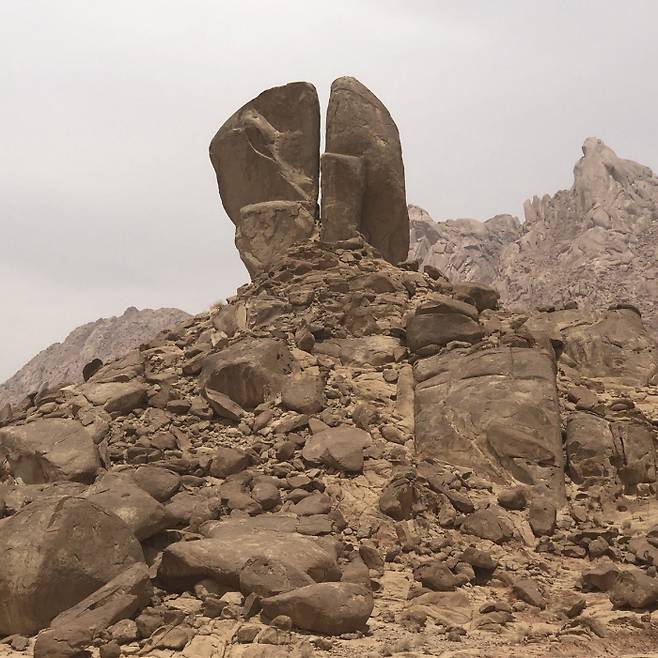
[(595, 244), (106, 339)]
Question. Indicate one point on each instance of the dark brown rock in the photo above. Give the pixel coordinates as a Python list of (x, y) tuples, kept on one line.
[(634, 589), (488, 524), (248, 371), (119, 494), (527, 590)]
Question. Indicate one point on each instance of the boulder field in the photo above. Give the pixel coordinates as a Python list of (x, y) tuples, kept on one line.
[(349, 458)]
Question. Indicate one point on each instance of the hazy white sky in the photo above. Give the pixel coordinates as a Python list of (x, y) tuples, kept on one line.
[(107, 198)]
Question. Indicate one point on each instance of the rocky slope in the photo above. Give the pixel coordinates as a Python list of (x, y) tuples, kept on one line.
[(592, 245), (350, 458), (105, 339)]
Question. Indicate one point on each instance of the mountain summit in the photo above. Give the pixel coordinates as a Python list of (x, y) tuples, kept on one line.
[(594, 244)]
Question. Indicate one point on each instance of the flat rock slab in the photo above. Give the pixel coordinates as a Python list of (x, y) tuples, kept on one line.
[(116, 397), (49, 450), (231, 545), (495, 411)]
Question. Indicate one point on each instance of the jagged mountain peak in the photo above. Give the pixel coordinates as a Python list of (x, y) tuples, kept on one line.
[(592, 244)]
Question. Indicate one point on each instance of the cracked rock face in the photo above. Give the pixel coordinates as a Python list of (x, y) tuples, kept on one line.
[(269, 151), (358, 124), (267, 161)]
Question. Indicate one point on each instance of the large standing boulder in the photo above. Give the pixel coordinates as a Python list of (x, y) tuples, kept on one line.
[(331, 608), (269, 151), (56, 552), (589, 447), (49, 450), (495, 411), (358, 124), (248, 371)]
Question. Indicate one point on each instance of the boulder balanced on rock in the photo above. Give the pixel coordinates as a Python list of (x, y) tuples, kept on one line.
[(266, 157), (359, 125), (269, 151)]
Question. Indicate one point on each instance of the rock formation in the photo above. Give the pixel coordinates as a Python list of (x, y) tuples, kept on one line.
[(266, 157), (348, 458), (104, 340), (359, 125), (592, 245)]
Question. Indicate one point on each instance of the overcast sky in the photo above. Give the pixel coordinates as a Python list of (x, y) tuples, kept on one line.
[(107, 197)]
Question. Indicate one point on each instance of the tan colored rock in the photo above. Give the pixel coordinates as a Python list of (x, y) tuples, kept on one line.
[(343, 188), (267, 159), (116, 397), (49, 450), (495, 411), (358, 124), (269, 150), (230, 546), (57, 552), (248, 371), (119, 494), (331, 608), (267, 230), (338, 447)]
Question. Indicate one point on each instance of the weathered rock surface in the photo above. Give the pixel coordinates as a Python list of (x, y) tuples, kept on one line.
[(269, 151), (231, 545), (49, 450), (358, 124), (248, 371), (343, 189), (331, 608), (267, 230), (56, 552), (495, 411), (122, 597)]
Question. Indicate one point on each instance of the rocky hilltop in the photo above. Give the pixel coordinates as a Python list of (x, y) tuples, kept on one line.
[(592, 245), (105, 339), (349, 458)]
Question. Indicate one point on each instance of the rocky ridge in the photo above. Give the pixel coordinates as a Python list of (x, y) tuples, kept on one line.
[(104, 339), (349, 458), (592, 245)]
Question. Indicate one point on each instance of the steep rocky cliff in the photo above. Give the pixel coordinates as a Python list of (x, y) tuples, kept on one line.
[(594, 244), (104, 339)]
